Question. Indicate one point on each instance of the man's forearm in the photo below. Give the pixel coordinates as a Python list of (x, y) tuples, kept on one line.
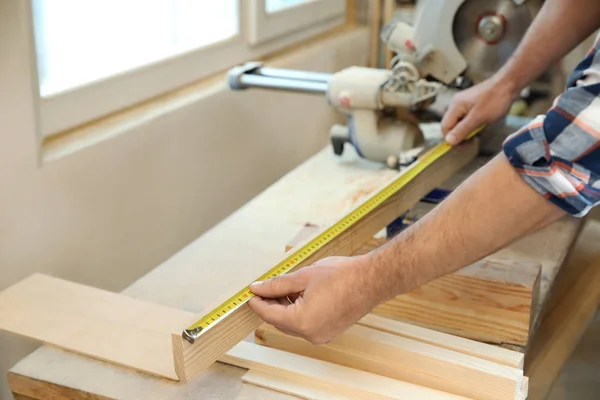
[(488, 211), (558, 28)]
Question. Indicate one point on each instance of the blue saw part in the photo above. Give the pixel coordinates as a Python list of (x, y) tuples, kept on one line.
[(434, 197)]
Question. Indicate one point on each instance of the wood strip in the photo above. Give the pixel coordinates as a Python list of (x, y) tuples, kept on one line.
[(334, 378), (375, 33), (289, 386), (524, 389), (25, 387), (351, 12), (388, 13), (99, 324), (191, 359), (465, 346), (407, 360)]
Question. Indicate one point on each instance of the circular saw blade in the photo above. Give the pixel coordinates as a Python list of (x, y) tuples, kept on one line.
[(485, 57)]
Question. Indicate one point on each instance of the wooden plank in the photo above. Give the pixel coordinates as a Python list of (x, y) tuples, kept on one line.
[(96, 323), (407, 360), (289, 386), (455, 343), (578, 288), (334, 378), (490, 300), (192, 359), (36, 389)]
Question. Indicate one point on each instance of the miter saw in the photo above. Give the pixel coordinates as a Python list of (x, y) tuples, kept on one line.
[(453, 44)]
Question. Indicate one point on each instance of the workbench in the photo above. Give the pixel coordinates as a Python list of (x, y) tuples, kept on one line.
[(318, 191)]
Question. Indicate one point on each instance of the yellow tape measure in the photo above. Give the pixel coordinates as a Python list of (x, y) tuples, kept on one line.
[(240, 298)]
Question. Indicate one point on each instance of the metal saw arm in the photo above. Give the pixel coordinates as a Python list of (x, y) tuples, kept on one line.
[(361, 94)]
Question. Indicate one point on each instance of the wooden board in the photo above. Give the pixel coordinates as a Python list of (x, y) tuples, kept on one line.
[(290, 386), (407, 360), (470, 347), (334, 378), (192, 359), (93, 322)]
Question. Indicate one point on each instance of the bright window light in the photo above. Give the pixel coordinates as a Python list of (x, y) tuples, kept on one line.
[(83, 41), (273, 6)]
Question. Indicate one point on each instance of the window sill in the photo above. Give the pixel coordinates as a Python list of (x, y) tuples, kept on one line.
[(60, 145)]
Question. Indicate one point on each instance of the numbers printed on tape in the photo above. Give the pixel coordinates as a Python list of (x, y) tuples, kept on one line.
[(239, 299)]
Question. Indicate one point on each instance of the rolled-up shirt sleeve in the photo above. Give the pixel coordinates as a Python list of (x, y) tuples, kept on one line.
[(558, 154)]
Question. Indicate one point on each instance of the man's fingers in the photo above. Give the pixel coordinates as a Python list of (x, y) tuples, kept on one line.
[(463, 129), (281, 286), (452, 116), (272, 312)]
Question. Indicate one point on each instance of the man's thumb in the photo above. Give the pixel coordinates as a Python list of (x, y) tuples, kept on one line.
[(279, 286)]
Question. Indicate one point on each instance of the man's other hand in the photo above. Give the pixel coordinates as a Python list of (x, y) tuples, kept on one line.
[(317, 302), (485, 103)]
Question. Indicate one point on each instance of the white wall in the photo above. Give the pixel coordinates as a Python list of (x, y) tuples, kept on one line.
[(109, 213)]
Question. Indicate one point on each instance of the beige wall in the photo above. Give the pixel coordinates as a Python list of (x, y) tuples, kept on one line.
[(109, 213)]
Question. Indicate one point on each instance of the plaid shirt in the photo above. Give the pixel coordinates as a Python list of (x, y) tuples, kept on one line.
[(558, 154)]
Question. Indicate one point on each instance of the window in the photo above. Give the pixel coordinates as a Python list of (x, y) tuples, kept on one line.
[(273, 18), (273, 6), (95, 57)]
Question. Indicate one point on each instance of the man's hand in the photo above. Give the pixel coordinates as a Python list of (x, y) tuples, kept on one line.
[(317, 302), (484, 103)]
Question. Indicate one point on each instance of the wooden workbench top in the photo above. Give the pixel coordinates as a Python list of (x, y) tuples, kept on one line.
[(319, 191)]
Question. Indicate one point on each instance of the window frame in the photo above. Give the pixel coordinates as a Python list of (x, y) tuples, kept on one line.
[(79, 106), (265, 26)]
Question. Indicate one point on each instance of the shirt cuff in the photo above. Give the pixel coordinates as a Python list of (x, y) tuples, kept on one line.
[(565, 183)]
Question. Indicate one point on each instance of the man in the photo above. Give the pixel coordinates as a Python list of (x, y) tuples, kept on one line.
[(547, 170)]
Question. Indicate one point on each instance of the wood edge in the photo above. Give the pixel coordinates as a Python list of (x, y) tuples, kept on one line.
[(273, 382), (239, 358), (36, 389), (376, 322), (375, 19), (529, 270), (178, 358), (502, 374), (464, 363), (535, 296), (388, 13), (351, 13), (524, 389)]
